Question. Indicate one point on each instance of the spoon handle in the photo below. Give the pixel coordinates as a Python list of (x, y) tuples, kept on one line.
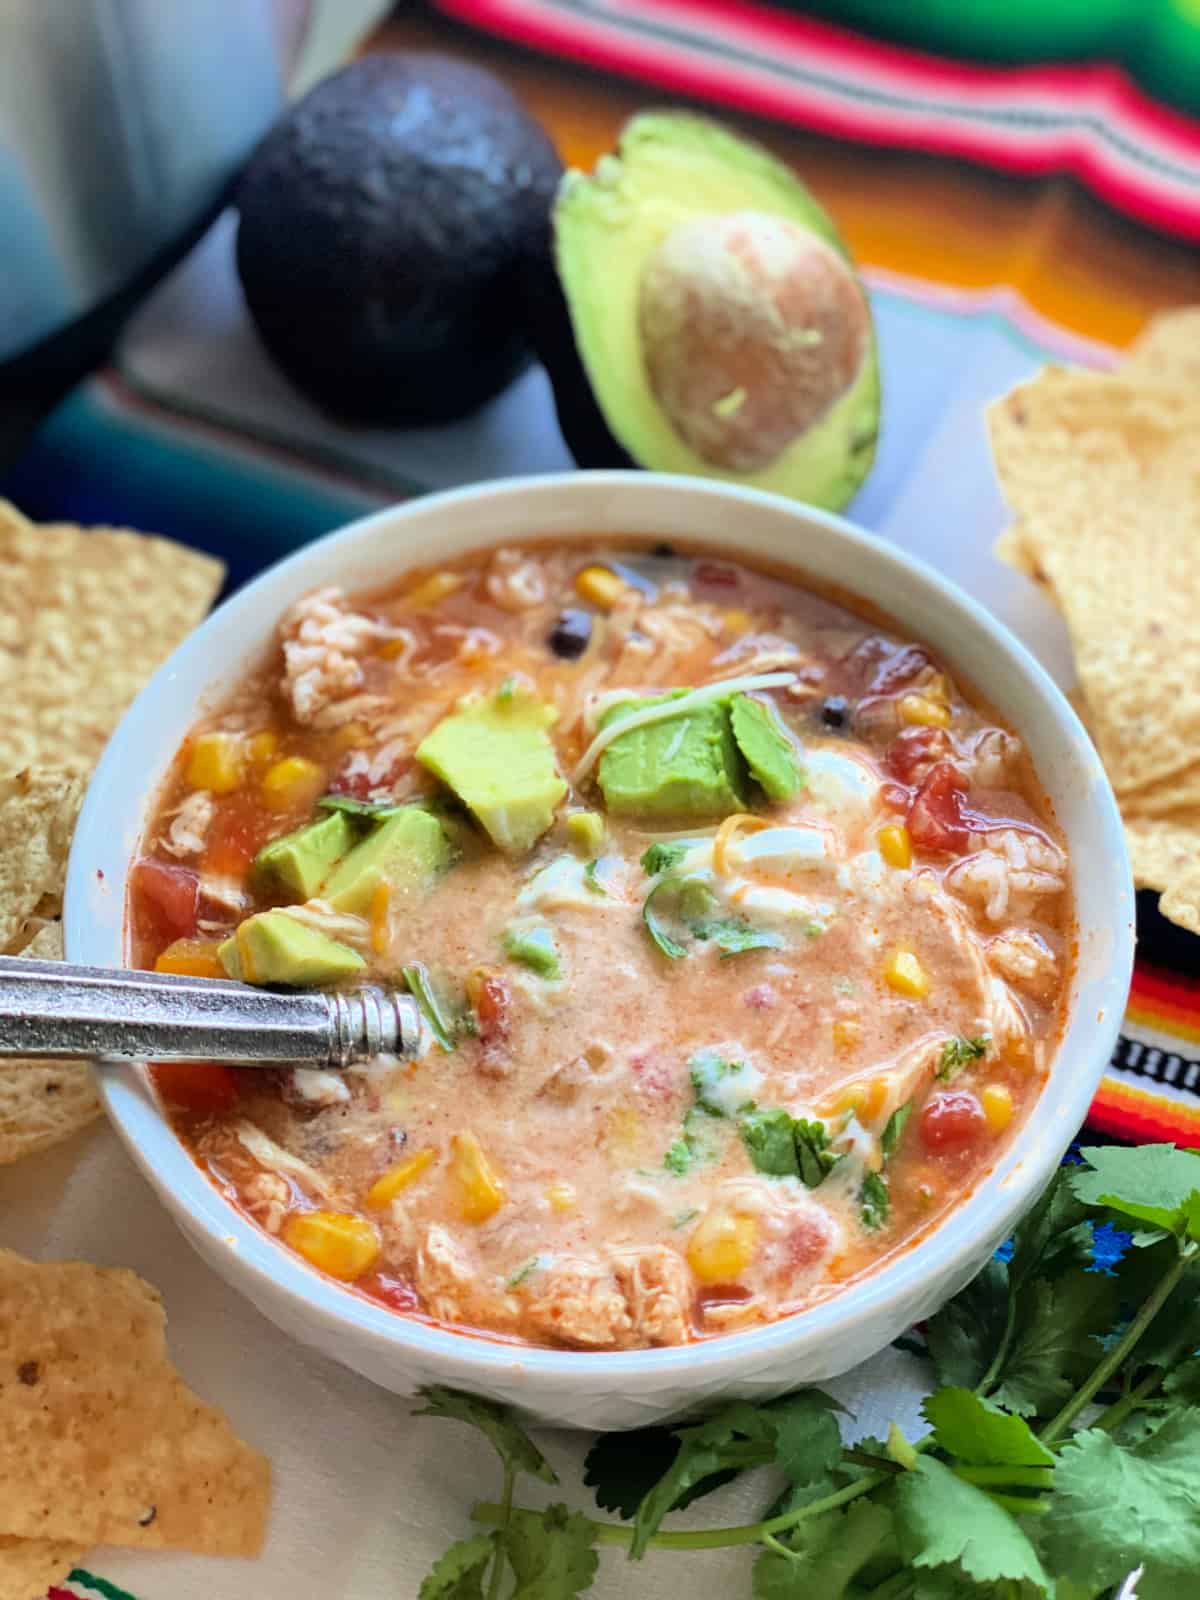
[(52, 1008)]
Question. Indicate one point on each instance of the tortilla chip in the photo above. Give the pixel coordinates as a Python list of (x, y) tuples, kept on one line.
[(29, 1567), (38, 808), (1012, 549), (1178, 793), (101, 1442), (88, 615), (43, 1102), (1165, 855), (1167, 351), (1104, 477)]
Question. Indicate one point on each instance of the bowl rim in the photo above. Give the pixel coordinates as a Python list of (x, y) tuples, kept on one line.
[(998, 1197)]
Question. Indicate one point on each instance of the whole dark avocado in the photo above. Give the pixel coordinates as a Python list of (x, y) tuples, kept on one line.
[(383, 223), (698, 312)]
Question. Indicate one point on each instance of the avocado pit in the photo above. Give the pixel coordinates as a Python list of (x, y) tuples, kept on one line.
[(752, 328)]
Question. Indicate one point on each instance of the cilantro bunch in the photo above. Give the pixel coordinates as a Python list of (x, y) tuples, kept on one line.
[(1062, 1457)]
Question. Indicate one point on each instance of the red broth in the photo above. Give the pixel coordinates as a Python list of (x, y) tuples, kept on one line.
[(674, 1094)]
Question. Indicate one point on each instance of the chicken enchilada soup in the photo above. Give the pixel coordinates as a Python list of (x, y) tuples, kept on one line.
[(739, 931)]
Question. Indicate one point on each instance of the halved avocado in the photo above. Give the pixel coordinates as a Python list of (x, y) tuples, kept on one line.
[(707, 317)]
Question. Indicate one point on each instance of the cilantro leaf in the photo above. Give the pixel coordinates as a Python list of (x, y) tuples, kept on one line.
[(783, 1146), (1114, 1509), (550, 1553), (662, 857), (734, 936), (711, 1077), (699, 1144), (459, 1572), (670, 947), (422, 990), (1053, 1236), (965, 1333), (591, 881), (807, 1440), (981, 1434), (942, 1522), (376, 810), (1182, 1383), (1155, 1184), (623, 1468), (699, 1457), (875, 1202), (514, 1446), (1056, 1345), (894, 1131), (830, 1552), (958, 1053)]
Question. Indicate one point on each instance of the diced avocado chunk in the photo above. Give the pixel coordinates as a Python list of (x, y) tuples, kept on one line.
[(497, 757), (273, 947), (686, 766), (407, 852), (768, 750), (532, 944), (301, 861), (585, 829)]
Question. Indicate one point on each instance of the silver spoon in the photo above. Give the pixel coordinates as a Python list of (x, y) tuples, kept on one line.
[(51, 1008)]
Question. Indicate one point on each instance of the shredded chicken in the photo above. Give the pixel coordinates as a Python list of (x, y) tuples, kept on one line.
[(450, 1286), (313, 1087), (1009, 875), (226, 894), (657, 1287), (579, 1301), (1026, 961), (268, 1198), (514, 581), (991, 761), (280, 1161), (320, 916), (189, 828), (321, 639)]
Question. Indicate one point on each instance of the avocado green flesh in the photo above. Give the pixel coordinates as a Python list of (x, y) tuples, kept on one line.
[(670, 168), (687, 766), (497, 757), (301, 861), (767, 749), (274, 948), (406, 852)]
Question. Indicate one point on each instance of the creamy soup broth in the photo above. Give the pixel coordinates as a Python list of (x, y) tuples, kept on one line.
[(663, 1093)]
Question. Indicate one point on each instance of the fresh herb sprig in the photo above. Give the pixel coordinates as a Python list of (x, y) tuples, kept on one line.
[(1063, 1450)]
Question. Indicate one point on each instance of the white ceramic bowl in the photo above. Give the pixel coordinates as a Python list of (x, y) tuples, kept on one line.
[(628, 1388)]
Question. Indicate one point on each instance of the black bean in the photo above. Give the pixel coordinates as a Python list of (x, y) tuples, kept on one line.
[(835, 711), (663, 551), (570, 634)]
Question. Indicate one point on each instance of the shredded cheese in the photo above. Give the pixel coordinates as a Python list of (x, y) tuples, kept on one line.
[(675, 708)]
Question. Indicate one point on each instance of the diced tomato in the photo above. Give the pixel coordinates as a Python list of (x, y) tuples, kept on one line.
[(952, 1120), (202, 1086), (168, 896), (490, 998), (395, 1293), (713, 576), (805, 1244), (936, 818), (722, 1294), (912, 753), (355, 785)]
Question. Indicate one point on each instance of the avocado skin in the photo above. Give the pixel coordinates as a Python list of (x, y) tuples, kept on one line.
[(580, 420), (383, 223)]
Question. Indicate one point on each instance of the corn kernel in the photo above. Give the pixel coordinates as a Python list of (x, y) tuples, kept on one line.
[(585, 829), (384, 1190), (262, 746), (291, 781), (865, 1100), (905, 974), (997, 1103), (191, 958), (921, 710), (391, 648), (481, 1194), (623, 1132), (846, 1034), (895, 845), (350, 736), (737, 622), (215, 763), (722, 1246), (430, 590), (344, 1246), (561, 1197), (599, 586)]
